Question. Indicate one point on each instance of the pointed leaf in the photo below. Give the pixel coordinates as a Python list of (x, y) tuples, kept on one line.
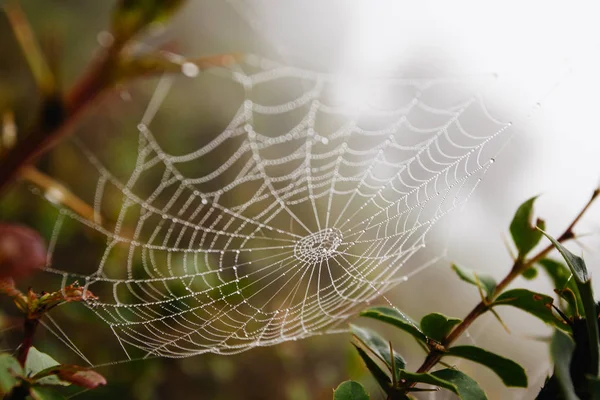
[(38, 361), (511, 373), (575, 263), (486, 282), (350, 390), (378, 345), (523, 231), (378, 373), (536, 304), (436, 326), (562, 348), (586, 294), (10, 370), (396, 318), (450, 379)]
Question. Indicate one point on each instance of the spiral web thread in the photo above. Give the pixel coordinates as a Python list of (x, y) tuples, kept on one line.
[(295, 230)]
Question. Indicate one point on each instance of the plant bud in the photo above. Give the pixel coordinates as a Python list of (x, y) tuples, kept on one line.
[(22, 251)]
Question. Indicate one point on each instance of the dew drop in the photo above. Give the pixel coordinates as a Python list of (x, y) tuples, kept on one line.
[(190, 70), (105, 39)]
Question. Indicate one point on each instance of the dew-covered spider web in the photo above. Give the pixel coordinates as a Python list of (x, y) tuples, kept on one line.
[(310, 203)]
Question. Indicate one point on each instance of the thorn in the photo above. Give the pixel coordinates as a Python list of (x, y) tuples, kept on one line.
[(500, 320)]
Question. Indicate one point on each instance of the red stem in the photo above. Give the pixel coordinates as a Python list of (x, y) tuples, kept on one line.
[(58, 116), (29, 328)]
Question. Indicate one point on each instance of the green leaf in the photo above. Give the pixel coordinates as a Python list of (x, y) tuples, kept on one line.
[(45, 393), (396, 318), (536, 304), (586, 294), (558, 272), (530, 273), (565, 286), (486, 282), (38, 361), (511, 373), (378, 373), (524, 233), (468, 389), (562, 348), (575, 263), (10, 370), (350, 390), (379, 346), (450, 379), (437, 326)]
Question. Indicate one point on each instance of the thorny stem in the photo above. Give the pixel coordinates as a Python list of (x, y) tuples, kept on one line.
[(517, 269)]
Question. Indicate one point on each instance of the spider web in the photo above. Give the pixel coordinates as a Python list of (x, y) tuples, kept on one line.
[(306, 207)]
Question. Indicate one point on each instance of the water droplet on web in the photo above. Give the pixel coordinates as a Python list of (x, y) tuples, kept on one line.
[(189, 69), (105, 39)]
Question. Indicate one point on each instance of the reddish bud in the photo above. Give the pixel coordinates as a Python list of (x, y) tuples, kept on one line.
[(22, 251), (81, 377)]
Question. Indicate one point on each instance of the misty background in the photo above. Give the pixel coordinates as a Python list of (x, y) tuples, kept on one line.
[(542, 60)]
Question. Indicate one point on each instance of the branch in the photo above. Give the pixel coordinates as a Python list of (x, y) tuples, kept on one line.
[(517, 269), (59, 112)]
